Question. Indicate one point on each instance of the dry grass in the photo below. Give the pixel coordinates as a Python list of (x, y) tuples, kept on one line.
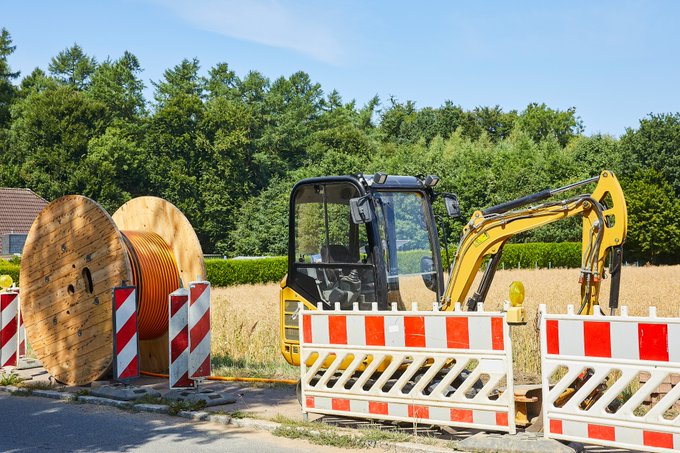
[(246, 320), (641, 288), (245, 332)]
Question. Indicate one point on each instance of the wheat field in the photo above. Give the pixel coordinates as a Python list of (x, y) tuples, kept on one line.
[(245, 330)]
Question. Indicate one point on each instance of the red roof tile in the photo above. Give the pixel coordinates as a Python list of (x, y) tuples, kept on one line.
[(18, 210)]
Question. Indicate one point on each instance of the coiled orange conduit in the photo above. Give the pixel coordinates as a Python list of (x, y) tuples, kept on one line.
[(155, 274)]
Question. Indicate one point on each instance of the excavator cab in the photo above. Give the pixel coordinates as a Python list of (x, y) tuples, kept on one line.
[(360, 240)]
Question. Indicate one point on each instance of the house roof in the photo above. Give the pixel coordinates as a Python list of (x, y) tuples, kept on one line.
[(18, 209)]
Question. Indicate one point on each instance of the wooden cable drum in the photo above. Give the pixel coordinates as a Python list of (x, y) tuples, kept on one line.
[(75, 254)]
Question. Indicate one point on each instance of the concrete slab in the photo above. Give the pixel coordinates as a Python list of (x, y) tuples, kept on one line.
[(154, 408), (210, 397), (104, 401), (124, 392), (26, 363), (508, 443), (64, 396)]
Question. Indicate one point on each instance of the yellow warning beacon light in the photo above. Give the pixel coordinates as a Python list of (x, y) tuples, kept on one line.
[(516, 313), (6, 281)]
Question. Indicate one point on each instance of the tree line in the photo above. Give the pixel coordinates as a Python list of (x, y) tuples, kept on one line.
[(226, 149)]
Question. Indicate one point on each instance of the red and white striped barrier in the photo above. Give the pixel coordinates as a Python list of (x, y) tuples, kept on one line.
[(199, 330), (9, 323), (22, 330), (178, 334), (420, 413), (405, 330), (605, 356), (126, 338), (21, 351), (429, 363)]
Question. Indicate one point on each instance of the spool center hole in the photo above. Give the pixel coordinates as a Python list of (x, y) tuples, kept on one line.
[(87, 277)]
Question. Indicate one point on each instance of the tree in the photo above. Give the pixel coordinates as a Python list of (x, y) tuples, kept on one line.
[(540, 122), (49, 137), (496, 123), (7, 89), (112, 171), (656, 145), (181, 81), (117, 85), (653, 218), (396, 120), (222, 82), (73, 67)]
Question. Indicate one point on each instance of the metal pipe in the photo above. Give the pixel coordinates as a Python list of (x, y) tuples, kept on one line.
[(535, 197), (574, 185)]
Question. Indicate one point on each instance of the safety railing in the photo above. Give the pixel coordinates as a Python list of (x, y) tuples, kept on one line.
[(593, 385), (429, 367)]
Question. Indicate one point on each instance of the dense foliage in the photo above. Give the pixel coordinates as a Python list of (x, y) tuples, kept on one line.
[(226, 149), (246, 271), (230, 272)]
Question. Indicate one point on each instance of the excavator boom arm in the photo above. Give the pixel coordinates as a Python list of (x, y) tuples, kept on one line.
[(604, 229)]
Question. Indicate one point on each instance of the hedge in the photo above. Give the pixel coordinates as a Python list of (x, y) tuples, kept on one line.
[(265, 270), (10, 269), (246, 271), (542, 254), (272, 269)]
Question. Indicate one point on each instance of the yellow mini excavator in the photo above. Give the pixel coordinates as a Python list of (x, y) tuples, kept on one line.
[(373, 239)]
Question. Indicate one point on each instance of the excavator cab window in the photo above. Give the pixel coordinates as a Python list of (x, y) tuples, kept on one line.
[(333, 263), (407, 236)]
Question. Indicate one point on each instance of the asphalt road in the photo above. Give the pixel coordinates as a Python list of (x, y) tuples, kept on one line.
[(29, 424)]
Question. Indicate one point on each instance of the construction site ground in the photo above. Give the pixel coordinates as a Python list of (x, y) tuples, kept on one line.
[(268, 406)]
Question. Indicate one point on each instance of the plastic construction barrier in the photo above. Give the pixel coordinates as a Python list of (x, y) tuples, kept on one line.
[(9, 325), (199, 330), (178, 334), (126, 338), (430, 367), (597, 394)]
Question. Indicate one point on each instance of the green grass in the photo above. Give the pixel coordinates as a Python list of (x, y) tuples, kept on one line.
[(324, 434), (176, 407), (9, 379), (322, 437)]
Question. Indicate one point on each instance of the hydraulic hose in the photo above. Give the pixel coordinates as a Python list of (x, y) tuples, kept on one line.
[(231, 378)]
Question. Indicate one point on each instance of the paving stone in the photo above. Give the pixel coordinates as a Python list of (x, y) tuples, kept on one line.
[(54, 395), (509, 443), (124, 392), (210, 397), (154, 408), (195, 415), (103, 401)]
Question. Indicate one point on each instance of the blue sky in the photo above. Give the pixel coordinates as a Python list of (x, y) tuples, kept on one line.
[(615, 61)]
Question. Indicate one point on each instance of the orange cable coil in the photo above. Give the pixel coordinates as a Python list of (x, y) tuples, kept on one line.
[(155, 274)]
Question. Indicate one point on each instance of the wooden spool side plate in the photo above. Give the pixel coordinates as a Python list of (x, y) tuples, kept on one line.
[(163, 218), (74, 255), (159, 216)]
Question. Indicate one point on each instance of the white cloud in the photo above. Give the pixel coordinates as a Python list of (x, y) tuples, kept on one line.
[(305, 30)]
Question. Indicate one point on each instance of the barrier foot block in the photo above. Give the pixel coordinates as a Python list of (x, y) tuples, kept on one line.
[(28, 364), (124, 392), (520, 442), (210, 397)]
